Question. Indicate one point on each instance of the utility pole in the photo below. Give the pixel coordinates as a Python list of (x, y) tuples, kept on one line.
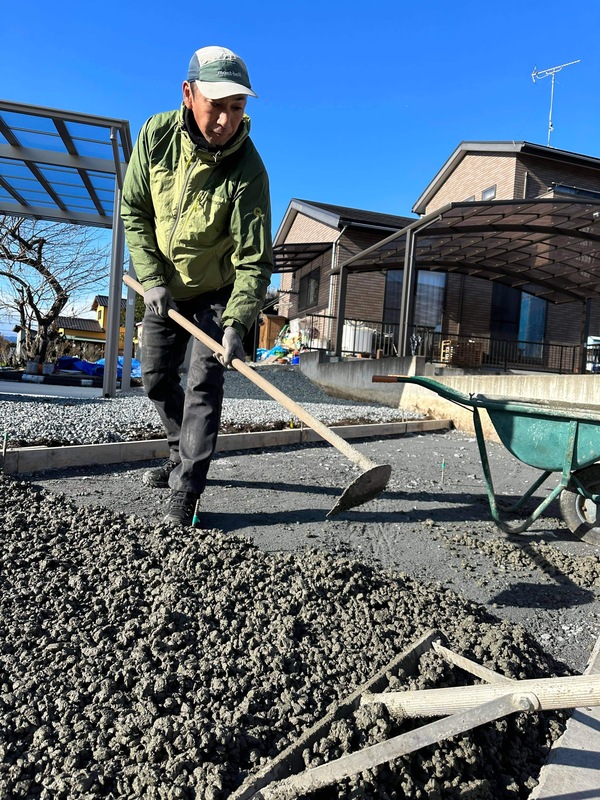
[(544, 73)]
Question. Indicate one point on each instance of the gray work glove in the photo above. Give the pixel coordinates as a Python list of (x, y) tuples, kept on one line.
[(159, 300), (232, 344)]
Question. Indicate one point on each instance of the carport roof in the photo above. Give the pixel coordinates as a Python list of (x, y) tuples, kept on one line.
[(548, 247), (60, 165)]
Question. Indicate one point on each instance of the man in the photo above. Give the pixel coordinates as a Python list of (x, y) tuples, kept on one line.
[(197, 222)]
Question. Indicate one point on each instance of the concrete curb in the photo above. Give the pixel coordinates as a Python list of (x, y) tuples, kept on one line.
[(35, 459)]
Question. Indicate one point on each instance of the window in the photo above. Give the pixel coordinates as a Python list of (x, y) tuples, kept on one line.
[(308, 294), (532, 324), (469, 199), (489, 193), (518, 316), (429, 300)]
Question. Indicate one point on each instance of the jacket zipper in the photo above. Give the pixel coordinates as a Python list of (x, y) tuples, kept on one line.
[(189, 169)]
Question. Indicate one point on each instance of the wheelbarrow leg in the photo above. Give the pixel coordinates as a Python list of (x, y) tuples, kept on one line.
[(508, 527)]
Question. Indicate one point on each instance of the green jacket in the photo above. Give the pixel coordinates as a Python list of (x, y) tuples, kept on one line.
[(197, 221)]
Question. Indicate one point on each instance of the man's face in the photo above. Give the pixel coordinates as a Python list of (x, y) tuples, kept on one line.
[(218, 120)]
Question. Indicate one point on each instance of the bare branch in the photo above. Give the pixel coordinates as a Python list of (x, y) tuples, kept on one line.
[(42, 266)]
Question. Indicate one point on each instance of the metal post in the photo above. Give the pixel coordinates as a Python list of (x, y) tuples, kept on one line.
[(341, 310), (129, 327), (109, 386), (406, 300), (585, 332)]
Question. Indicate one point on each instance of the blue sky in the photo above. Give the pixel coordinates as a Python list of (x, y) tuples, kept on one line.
[(359, 104)]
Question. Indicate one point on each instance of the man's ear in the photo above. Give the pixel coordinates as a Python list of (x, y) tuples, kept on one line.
[(187, 94)]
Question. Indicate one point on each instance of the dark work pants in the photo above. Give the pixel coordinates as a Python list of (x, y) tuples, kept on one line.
[(191, 418)]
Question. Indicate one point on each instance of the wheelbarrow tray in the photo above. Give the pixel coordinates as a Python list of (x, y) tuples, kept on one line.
[(534, 431), (547, 435)]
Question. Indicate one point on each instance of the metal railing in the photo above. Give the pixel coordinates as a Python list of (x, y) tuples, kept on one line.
[(371, 338), (359, 336), (484, 351)]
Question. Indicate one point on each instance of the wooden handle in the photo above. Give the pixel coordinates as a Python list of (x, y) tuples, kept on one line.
[(326, 433), (552, 693)]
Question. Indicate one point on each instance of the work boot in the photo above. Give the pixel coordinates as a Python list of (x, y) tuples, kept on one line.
[(159, 476), (182, 509)]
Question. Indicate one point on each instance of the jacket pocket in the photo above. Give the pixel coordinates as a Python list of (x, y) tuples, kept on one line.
[(207, 219)]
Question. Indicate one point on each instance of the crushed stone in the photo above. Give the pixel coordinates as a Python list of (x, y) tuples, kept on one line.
[(151, 661), (35, 421)]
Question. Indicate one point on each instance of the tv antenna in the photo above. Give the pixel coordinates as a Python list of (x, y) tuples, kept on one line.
[(544, 73)]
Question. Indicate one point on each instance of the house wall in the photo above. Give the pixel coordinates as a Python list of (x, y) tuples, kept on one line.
[(289, 308), (515, 176), (285, 298), (468, 306), (476, 172), (305, 229), (365, 291), (534, 177)]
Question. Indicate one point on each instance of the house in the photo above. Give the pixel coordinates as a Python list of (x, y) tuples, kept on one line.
[(82, 332), (312, 240), (488, 200), (510, 171), (77, 329)]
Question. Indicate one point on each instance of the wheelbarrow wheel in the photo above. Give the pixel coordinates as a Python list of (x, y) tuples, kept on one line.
[(581, 515)]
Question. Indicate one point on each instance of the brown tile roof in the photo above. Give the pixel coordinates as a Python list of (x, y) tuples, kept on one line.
[(79, 324), (102, 300)]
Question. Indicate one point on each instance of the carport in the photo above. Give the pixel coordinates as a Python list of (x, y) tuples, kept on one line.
[(549, 248), (64, 166)]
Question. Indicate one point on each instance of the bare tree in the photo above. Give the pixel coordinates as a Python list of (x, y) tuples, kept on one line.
[(5, 348), (42, 266)]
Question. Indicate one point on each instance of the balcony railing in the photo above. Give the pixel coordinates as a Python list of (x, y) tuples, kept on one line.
[(376, 339)]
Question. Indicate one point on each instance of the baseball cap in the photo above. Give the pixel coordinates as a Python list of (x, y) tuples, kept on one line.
[(218, 73)]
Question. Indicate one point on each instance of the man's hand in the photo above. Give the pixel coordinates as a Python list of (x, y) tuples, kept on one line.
[(159, 300), (233, 347)]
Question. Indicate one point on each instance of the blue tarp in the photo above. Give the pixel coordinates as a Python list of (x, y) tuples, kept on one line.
[(96, 368), (274, 351)]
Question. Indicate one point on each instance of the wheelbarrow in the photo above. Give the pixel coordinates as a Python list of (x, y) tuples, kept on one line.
[(546, 435), (460, 708)]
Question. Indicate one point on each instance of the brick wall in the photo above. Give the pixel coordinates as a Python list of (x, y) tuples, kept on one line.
[(365, 296), (468, 306), (305, 229), (323, 264), (476, 172), (365, 291), (541, 173), (564, 323)]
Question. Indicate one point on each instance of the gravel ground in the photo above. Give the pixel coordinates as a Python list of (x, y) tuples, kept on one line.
[(144, 660), (62, 421)]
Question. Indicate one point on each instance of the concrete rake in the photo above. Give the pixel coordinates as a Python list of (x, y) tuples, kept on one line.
[(462, 708)]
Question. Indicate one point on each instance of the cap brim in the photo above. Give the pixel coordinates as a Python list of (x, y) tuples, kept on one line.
[(218, 90)]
